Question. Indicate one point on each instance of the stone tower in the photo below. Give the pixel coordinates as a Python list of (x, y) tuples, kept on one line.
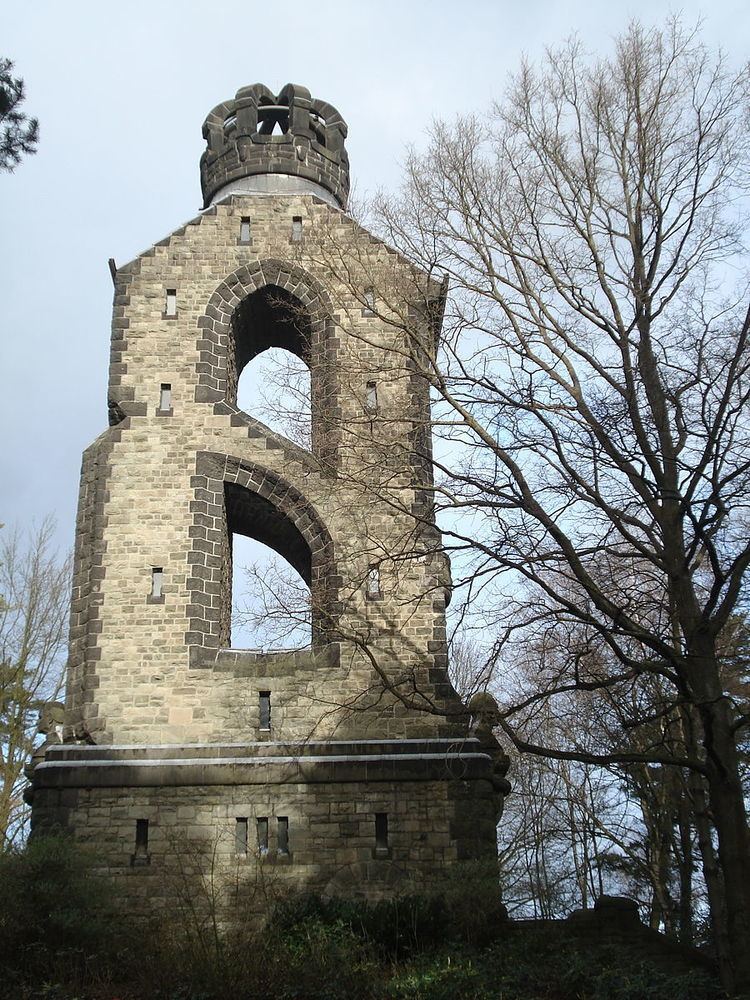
[(345, 767)]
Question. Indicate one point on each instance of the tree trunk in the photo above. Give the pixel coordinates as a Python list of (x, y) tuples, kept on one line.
[(711, 874), (685, 868), (726, 799)]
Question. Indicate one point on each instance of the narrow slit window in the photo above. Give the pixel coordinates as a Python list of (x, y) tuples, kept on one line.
[(165, 397), (265, 710), (381, 831), (369, 309), (282, 835), (157, 581), (141, 855), (297, 229), (371, 398), (170, 306), (373, 582), (262, 824), (244, 230), (240, 835)]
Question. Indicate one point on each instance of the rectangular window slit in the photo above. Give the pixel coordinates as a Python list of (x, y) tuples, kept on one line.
[(296, 228), (262, 824), (372, 397), (282, 835), (157, 579), (381, 831), (369, 302), (165, 396), (373, 582), (140, 855), (170, 307), (240, 836), (244, 230), (141, 835), (265, 710)]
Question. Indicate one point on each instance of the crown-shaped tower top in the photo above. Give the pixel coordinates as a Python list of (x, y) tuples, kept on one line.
[(261, 143)]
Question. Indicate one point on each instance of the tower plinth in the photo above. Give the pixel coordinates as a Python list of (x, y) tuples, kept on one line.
[(262, 143)]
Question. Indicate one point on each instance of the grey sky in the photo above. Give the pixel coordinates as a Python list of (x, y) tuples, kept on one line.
[(121, 91)]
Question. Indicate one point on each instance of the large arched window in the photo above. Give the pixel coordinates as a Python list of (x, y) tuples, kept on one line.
[(271, 603), (275, 387), (272, 374), (272, 573)]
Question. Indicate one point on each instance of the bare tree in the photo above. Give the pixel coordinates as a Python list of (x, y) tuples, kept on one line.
[(275, 606), (591, 392), (34, 596)]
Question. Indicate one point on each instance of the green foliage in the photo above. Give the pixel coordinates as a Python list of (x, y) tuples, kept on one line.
[(464, 907), (19, 134), (319, 960), (54, 924), (59, 941), (542, 964), (393, 928), (47, 896)]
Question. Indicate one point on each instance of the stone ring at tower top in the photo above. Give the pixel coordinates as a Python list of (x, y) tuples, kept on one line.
[(261, 134)]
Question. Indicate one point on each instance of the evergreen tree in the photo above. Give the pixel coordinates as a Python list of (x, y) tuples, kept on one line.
[(19, 134)]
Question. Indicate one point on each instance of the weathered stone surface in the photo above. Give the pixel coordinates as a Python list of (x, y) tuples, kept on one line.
[(258, 133), (162, 719)]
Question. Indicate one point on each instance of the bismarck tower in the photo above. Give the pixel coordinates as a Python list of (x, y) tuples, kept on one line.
[(348, 766)]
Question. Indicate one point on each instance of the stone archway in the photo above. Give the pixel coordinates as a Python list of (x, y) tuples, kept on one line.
[(232, 494), (260, 305)]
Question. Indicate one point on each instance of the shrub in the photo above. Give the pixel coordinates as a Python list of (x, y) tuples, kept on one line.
[(54, 924)]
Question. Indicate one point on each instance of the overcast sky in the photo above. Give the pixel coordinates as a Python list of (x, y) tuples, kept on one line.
[(121, 91)]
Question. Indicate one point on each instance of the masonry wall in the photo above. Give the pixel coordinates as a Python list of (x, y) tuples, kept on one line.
[(145, 670), (438, 808), (163, 723)]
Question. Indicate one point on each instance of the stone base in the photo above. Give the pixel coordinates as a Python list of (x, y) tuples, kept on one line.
[(148, 813)]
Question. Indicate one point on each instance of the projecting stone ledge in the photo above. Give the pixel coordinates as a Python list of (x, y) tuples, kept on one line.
[(265, 763), (249, 662)]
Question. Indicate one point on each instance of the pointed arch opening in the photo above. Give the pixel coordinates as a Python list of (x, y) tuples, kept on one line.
[(271, 364), (233, 497), (273, 306), (276, 388), (271, 575)]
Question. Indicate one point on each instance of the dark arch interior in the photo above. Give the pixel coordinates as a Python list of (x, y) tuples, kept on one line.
[(252, 515), (270, 317)]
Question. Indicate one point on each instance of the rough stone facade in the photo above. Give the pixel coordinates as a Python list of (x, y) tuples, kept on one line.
[(164, 736)]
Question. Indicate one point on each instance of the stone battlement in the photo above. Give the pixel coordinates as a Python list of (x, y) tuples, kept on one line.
[(289, 135)]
